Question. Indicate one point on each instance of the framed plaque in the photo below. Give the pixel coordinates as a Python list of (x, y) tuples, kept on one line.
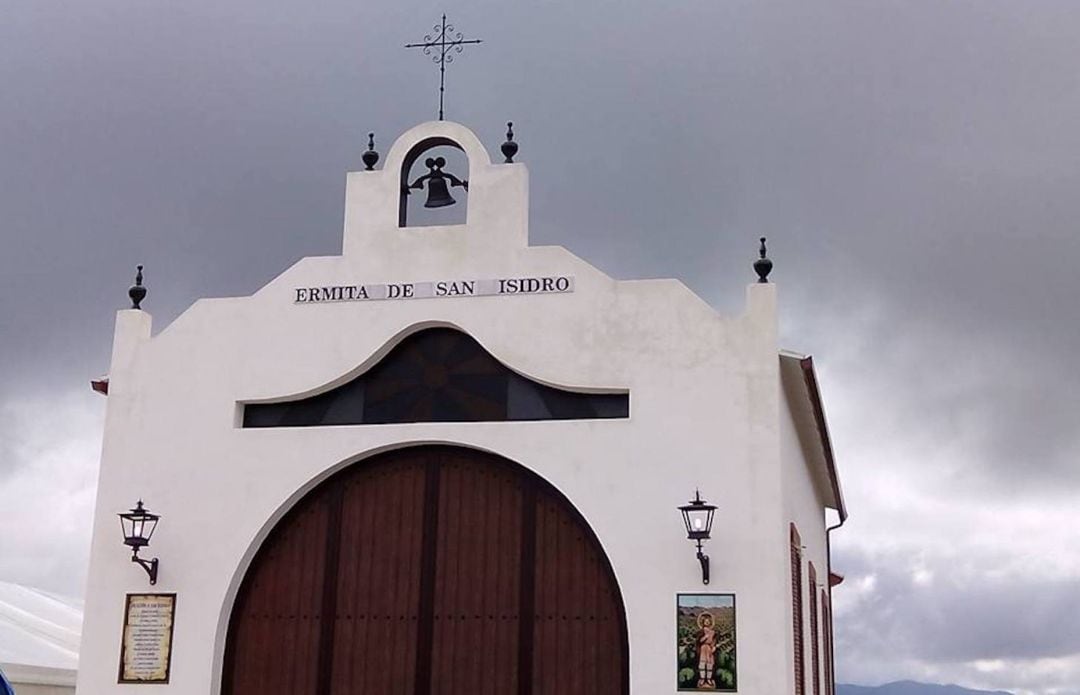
[(705, 624), (146, 646)]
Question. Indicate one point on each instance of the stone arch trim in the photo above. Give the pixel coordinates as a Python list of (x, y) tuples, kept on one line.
[(484, 564)]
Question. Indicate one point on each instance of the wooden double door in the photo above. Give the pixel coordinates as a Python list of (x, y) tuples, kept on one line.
[(430, 570)]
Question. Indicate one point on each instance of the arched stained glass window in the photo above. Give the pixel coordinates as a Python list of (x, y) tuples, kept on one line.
[(437, 375)]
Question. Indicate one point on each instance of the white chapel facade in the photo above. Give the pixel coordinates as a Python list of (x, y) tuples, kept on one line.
[(446, 461)]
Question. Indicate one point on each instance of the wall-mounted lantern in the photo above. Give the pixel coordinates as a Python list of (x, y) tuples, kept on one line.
[(138, 526), (698, 516)]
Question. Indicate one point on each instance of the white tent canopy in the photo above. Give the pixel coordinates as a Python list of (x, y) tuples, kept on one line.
[(39, 636)]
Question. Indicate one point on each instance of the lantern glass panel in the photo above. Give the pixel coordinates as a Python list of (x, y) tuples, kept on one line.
[(698, 517), (699, 523), (138, 526), (148, 524)]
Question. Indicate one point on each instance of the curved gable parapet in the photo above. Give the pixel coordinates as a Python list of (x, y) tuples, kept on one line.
[(437, 375)]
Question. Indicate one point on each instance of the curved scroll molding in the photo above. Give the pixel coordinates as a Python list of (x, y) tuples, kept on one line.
[(437, 375)]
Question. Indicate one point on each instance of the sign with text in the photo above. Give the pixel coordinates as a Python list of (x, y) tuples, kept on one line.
[(146, 647), (552, 284)]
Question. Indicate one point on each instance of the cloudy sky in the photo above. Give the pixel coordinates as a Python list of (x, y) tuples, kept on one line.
[(916, 166)]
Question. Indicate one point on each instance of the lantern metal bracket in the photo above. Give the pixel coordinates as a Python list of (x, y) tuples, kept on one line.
[(704, 560), (151, 566)]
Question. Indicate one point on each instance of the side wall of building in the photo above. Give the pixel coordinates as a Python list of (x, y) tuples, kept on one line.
[(804, 507)]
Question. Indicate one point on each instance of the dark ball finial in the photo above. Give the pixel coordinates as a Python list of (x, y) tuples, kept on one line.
[(137, 292), (371, 157), (762, 266), (509, 148)]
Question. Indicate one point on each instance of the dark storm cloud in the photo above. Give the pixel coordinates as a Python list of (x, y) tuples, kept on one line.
[(1012, 402), (957, 618), (961, 613), (912, 163)]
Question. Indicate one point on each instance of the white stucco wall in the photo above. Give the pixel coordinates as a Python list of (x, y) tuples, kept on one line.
[(705, 413), (804, 505)]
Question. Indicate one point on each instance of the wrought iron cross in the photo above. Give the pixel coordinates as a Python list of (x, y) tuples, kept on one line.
[(441, 45)]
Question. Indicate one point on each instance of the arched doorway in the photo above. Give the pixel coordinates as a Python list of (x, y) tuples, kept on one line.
[(430, 570)]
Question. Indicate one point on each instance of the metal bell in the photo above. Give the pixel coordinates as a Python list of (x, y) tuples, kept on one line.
[(438, 194)]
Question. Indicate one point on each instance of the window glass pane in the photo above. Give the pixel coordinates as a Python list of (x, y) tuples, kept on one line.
[(437, 375)]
